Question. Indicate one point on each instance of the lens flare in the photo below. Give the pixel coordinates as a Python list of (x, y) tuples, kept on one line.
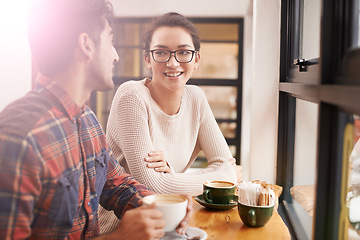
[(13, 15), (15, 58)]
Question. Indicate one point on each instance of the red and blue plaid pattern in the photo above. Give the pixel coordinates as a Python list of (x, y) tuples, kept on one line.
[(55, 168)]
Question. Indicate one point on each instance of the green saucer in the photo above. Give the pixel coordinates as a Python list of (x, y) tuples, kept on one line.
[(201, 201)]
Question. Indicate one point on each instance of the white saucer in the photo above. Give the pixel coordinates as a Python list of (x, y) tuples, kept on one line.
[(191, 232)]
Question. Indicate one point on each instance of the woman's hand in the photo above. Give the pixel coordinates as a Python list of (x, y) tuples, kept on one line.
[(156, 160), (238, 169)]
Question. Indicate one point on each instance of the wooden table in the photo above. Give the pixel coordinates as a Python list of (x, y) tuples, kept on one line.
[(215, 224)]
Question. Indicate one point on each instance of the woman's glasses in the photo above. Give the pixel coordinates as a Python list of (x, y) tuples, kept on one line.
[(182, 56)]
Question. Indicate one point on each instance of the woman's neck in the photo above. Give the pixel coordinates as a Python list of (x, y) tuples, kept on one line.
[(169, 102)]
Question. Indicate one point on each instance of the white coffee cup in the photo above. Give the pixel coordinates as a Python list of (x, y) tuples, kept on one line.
[(173, 208)]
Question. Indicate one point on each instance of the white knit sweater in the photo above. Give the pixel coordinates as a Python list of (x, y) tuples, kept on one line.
[(136, 126)]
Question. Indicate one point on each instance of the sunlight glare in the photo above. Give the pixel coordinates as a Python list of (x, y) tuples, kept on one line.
[(15, 57), (13, 15)]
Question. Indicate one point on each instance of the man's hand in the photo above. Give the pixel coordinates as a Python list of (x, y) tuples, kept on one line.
[(142, 223), (156, 160), (181, 229)]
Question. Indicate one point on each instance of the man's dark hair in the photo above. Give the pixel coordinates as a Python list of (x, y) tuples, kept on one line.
[(54, 27), (171, 19)]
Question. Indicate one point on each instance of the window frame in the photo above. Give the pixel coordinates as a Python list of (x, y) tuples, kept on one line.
[(333, 85)]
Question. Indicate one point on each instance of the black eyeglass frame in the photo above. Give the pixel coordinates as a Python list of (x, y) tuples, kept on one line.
[(173, 52)]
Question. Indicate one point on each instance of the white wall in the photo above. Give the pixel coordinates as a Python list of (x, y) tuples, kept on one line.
[(246, 98), (260, 101), (15, 59)]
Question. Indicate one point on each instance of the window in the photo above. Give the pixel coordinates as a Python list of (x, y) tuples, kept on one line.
[(219, 74), (319, 118)]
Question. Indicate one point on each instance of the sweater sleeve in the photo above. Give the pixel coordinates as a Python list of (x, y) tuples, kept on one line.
[(212, 141), (129, 130)]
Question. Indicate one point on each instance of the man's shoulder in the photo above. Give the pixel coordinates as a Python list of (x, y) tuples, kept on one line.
[(20, 116)]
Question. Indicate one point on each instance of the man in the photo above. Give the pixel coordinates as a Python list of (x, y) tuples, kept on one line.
[(55, 165)]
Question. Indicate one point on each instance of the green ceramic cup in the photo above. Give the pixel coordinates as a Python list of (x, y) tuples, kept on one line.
[(255, 216), (218, 192)]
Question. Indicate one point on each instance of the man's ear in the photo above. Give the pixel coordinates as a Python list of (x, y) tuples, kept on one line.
[(86, 45)]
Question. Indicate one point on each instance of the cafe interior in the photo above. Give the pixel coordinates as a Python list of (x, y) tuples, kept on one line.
[(282, 78)]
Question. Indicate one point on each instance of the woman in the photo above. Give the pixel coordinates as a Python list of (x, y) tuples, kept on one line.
[(157, 126)]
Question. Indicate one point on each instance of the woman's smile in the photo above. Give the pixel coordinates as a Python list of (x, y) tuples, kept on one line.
[(173, 74)]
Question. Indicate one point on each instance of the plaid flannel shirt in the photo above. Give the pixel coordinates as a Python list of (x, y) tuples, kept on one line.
[(55, 168)]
